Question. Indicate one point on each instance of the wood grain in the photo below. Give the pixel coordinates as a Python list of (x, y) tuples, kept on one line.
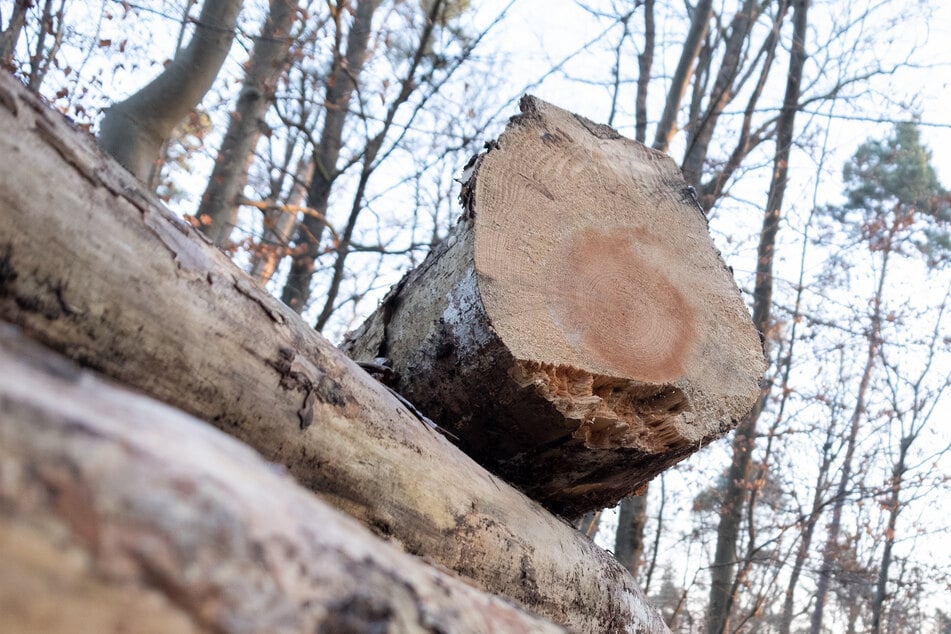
[(578, 331)]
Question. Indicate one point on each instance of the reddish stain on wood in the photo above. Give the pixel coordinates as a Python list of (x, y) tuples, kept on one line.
[(617, 307)]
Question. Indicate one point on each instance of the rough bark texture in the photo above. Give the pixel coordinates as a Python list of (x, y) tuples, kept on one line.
[(94, 267), (577, 330), (119, 514), (134, 130), (269, 58)]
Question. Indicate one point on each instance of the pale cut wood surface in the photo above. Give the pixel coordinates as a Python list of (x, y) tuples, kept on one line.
[(122, 514), (96, 269), (578, 330)]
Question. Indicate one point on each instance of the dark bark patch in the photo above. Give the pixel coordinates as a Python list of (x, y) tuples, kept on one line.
[(8, 101), (320, 386), (8, 273), (306, 413)]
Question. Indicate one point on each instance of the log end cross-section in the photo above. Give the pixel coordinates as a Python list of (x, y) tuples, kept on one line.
[(578, 330)]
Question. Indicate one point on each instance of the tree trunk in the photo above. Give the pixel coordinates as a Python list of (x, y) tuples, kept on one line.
[(94, 267), (371, 150), (340, 86), (269, 59), (830, 549), (701, 132), (11, 34), (667, 126), (645, 60), (122, 514), (894, 508), (744, 442), (51, 25), (581, 293), (629, 540), (134, 130)]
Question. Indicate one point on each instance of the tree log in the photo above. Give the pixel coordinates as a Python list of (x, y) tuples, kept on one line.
[(578, 331), (119, 513), (96, 268)]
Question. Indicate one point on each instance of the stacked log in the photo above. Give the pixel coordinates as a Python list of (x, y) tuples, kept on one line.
[(122, 514), (98, 270), (578, 331)]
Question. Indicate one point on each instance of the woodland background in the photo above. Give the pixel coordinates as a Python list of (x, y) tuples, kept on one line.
[(324, 161)]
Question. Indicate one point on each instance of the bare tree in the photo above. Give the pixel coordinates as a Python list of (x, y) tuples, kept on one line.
[(735, 492), (912, 415), (11, 33), (135, 129), (218, 211), (341, 84), (890, 186), (699, 23)]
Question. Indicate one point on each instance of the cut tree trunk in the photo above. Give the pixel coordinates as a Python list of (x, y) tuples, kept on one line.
[(577, 330), (119, 514), (94, 267)]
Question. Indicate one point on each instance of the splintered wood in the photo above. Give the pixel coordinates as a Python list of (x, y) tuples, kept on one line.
[(577, 330)]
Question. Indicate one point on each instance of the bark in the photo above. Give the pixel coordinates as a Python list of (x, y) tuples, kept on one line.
[(11, 34), (340, 86), (269, 60), (744, 442), (121, 514), (92, 266), (701, 131), (526, 298), (645, 60), (894, 508), (629, 540), (279, 225), (135, 130), (667, 126)]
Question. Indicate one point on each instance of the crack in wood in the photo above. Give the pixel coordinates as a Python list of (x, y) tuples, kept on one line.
[(266, 303)]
